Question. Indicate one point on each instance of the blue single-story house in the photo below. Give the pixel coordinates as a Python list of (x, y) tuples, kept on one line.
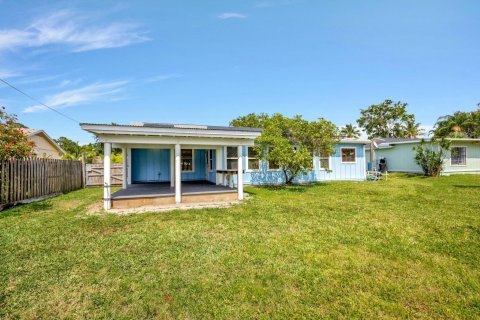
[(463, 156), (174, 163)]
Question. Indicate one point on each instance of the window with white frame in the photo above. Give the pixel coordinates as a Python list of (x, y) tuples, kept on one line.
[(272, 165), (187, 160), (349, 155), (252, 162), (458, 156), (325, 163), (232, 158), (210, 160)]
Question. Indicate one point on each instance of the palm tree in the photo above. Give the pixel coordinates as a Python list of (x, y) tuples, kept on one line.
[(350, 131), (412, 130), (455, 125)]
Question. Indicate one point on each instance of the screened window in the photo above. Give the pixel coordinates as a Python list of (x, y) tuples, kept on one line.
[(252, 162), (232, 158), (325, 163), (187, 160), (272, 165), (458, 156), (210, 160), (349, 155)]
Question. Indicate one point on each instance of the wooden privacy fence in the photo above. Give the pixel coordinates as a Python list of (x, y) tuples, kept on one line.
[(30, 179), (94, 174)]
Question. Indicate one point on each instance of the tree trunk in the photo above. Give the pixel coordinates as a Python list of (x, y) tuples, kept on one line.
[(287, 180)]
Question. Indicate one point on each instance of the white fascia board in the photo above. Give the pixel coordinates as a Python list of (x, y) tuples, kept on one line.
[(168, 140), (463, 139), (169, 132), (405, 142), (358, 141), (448, 139)]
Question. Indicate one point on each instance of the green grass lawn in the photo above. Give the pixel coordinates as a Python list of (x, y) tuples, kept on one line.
[(408, 247)]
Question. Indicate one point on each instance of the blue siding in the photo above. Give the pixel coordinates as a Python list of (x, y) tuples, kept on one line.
[(150, 165), (338, 170), (198, 169), (154, 165)]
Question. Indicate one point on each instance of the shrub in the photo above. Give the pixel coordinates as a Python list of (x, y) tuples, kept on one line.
[(430, 156)]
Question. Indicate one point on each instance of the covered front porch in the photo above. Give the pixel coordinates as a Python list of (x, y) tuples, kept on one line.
[(172, 164), (162, 193)]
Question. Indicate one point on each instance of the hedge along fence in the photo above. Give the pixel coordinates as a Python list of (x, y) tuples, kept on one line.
[(28, 180)]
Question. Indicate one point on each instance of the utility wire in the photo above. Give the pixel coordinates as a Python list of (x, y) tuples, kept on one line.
[(38, 101)]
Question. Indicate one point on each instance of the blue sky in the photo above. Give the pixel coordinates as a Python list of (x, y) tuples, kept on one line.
[(208, 62)]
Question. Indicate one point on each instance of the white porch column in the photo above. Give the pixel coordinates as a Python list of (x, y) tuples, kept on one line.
[(240, 173), (107, 150), (178, 174), (129, 166), (124, 167), (218, 165), (172, 167)]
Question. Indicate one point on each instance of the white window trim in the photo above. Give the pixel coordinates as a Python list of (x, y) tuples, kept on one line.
[(193, 160), (268, 164), (225, 151), (210, 160), (329, 163), (247, 169), (466, 157), (268, 167), (341, 155)]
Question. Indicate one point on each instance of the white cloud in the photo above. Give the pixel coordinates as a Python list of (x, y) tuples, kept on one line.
[(163, 77), (4, 74), (94, 92), (76, 32), (231, 15), (39, 79), (70, 82)]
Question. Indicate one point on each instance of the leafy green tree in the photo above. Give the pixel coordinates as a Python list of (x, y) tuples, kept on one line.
[(388, 119), (251, 120), (92, 151), (350, 131), (73, 149), (431, 156), (14, 142), (291, 142), (459, 125)]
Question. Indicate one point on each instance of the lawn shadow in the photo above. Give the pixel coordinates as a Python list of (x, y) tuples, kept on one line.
[(408, 175), (297, 188), (464, 186), (13, 210)]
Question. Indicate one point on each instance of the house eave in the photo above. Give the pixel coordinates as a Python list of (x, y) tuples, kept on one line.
[(357, 141), (100, 130)]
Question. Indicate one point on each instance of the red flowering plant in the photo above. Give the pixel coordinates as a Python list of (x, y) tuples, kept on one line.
[(14, 142)]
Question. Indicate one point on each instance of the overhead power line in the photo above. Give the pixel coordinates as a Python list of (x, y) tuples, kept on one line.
[(38, 101)]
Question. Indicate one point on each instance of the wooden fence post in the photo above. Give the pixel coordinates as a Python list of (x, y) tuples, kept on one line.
[(84, 170)]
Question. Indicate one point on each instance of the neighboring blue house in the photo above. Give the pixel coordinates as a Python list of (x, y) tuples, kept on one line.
[(171, 161)]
